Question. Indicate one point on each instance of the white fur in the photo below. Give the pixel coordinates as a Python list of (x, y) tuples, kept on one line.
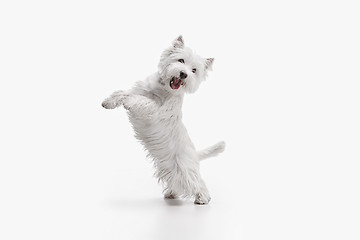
[(154, 110)]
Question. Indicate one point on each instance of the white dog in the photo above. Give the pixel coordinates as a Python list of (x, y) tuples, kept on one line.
[(154, 109)]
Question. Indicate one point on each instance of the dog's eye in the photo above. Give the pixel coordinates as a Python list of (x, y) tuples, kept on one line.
[(181, 60), (194, 70)]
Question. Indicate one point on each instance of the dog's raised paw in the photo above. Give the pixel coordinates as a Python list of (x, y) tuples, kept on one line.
[(108, 104), (115, 99)]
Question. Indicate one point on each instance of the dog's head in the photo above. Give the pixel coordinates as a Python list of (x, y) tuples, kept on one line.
[(181, 70)]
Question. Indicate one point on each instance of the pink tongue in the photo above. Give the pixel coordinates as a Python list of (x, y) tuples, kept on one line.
[(175, 83)]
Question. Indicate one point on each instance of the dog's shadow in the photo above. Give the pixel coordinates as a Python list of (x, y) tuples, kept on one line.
[(138, 203), (166, 215), (175, 202)]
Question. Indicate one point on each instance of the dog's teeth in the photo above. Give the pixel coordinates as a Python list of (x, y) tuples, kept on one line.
[(172, 81)]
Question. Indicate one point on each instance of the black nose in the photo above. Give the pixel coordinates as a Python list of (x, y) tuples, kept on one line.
[(183, 75)]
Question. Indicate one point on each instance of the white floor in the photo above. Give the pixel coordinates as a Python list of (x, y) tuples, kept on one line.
[(102, 189)]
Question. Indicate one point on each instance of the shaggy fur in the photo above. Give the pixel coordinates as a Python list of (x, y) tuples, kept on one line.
[(154, 109)]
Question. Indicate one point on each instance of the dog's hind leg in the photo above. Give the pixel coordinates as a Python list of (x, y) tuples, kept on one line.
[(170, 195), (203, 197)]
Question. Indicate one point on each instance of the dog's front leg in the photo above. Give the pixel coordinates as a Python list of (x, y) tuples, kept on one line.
[(115, 100), (140, 106)]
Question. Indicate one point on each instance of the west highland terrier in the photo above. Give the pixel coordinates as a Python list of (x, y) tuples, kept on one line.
[(154, 109)]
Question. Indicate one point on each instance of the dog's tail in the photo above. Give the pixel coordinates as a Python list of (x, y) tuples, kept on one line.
[(211, 151)]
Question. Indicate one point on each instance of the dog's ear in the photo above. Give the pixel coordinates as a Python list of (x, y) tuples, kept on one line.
[(178, 42), (209, 63)]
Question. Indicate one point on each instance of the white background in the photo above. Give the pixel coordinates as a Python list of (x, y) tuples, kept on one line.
[(284, 95)]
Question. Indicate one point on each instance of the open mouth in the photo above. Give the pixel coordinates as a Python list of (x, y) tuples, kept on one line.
[(175, 83)]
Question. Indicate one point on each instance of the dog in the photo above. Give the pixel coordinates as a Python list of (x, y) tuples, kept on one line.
[(154, 110)]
